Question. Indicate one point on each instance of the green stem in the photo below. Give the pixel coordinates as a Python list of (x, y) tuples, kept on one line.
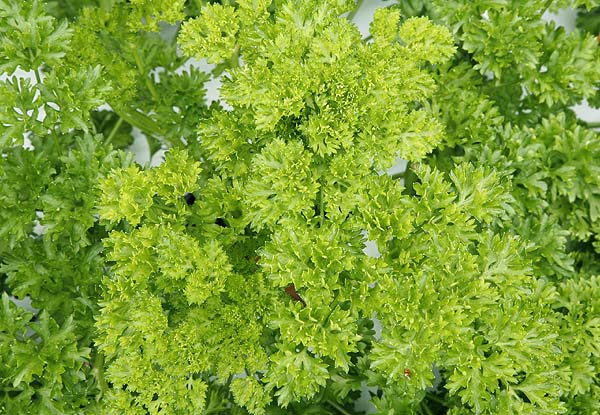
[(9, 389), (434, 398), (409, 179), (335, 303), (168, 209), (234, 60), (38, 77), (338, 407), (353, 12), (398, 175), (147, 80), (141, 121), (98, 371), (321, 207), (215, 410), (595, 124), (426, 409), (503, 86), (114, 130)]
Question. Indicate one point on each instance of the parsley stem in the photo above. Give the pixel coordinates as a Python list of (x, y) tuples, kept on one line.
[(147, 80), (170, 209), (98, 371), (353, 12), (595, 124), (338, 407), (215, 410), (409, 179), (141, 121), (426, 409), (399, 175), (38, 77), (321, 205), (234, 60), (335, 303), (114, 130), (435, 399)]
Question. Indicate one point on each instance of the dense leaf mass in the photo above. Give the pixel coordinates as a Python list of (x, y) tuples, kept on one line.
[(233, 278)]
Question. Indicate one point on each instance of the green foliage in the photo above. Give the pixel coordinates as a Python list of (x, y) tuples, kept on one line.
[(217, 27), (150, 90), (30, 38), (588, 20), (509, 42), (43, 369), (233, 278)]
